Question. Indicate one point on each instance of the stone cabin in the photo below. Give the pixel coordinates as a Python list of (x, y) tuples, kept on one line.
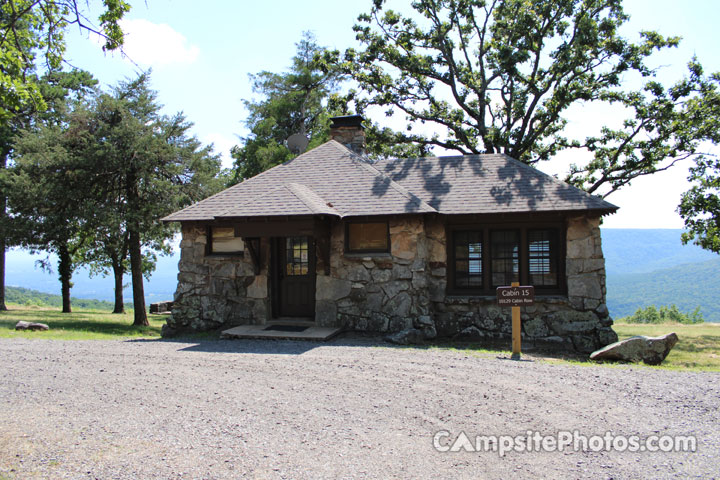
[(332, 238)]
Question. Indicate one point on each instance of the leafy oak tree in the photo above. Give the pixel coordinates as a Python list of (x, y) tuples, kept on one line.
[(499, 76), (292, 102), (32, 31), (700, 206)]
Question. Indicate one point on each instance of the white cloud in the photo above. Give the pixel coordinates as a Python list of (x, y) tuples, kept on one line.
[(150, 44)]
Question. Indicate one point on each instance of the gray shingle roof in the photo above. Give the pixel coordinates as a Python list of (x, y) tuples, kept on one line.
[(329, 175), (488, 183), (332, 180)]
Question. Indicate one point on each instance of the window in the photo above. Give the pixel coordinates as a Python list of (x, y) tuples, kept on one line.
[(543, 258), (504, 248), (479, 260), (468, 259), (367, 237), (223, 240)]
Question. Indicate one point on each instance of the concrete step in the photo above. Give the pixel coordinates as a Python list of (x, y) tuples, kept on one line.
[(280, 331)]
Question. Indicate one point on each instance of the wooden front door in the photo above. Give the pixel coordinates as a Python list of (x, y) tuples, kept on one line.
[(295, 274)]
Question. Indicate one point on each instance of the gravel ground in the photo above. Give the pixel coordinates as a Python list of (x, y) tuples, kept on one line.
[(349, 408)]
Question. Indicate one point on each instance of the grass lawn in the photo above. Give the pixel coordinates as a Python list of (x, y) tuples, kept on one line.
[(79, 325), (698, 347)]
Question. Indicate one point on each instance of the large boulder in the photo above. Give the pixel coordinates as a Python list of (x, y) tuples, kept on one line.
[(651, 350), (31, 326)]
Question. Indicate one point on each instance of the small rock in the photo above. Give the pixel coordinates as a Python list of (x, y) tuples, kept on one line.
[(651, 350), (31, 326), (470, 333)]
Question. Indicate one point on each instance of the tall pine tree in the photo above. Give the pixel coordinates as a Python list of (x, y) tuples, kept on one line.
[(292, 102)]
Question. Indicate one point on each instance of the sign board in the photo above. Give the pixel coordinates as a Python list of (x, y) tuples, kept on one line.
[(516, 296)]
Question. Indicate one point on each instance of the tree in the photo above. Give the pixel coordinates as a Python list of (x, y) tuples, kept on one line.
[(29, 28), (498, 76), (700, 206), (144, 166), (46, 186), (92, 188), (41, 197), (293, 102), (43, 186)]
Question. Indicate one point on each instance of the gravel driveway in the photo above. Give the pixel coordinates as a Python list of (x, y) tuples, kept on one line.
[(349, 408)]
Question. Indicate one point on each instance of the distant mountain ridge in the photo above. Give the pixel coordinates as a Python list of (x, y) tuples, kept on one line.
[(644, 267), (688, 286), (652, 267), (645, 250)]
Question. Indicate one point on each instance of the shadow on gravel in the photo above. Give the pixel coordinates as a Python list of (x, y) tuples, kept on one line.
[(211, 343)]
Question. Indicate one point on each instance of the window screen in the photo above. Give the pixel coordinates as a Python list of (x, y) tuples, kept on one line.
[(224, 240), (468, 259), (543, 258), (505, 259), (368, 237)]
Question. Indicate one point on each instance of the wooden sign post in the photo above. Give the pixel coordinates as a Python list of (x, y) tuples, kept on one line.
[(516, 296)]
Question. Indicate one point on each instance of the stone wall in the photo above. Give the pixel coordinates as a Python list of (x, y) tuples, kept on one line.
[(377, 292), (400, 291), (216, 290), (577, 322)]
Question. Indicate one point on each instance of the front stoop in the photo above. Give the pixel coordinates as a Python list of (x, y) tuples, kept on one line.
[(259, 331)]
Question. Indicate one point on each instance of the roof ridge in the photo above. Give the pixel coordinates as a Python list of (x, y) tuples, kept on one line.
[(301, 191)]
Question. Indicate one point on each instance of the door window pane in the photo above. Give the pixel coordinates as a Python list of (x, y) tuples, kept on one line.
[(296, 256)]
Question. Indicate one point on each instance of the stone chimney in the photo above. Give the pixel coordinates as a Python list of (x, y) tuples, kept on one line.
[(349, 131)]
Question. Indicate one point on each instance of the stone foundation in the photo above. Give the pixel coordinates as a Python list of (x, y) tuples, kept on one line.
[(401, 290), (216, 291)]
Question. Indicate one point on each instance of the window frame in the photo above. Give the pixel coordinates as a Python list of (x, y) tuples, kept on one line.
[(209, 244), (368, 250), (554, 257), (455, 259), (485, 229)]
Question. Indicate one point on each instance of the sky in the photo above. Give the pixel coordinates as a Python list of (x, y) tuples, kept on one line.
[(201, 54)]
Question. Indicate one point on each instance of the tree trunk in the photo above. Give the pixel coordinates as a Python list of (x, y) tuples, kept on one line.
[(2, 272), (3, 205), (65, 271), (137, 278), (118, 272)]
